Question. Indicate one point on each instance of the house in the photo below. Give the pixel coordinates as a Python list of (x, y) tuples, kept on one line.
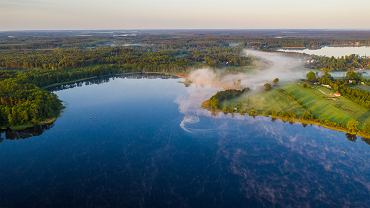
[(311, 61), (327, 86), (337, 94)]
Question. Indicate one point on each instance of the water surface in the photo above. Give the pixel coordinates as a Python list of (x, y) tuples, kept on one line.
[(334, 51), (146, 143)]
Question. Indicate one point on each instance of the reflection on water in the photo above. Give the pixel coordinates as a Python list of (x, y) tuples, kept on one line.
[(100, 80), (289, 168), (120, 144), (95, 80), (25, 133)]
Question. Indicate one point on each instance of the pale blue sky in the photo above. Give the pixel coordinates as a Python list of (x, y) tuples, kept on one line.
[(183, 14)]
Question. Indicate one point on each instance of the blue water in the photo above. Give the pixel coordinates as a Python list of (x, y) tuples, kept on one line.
[(120, 144), (334, 51)]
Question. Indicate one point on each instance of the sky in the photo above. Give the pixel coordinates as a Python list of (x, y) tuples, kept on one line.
[(184, 14)]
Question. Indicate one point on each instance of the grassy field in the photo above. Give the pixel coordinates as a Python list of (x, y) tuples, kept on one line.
[(294, 99)]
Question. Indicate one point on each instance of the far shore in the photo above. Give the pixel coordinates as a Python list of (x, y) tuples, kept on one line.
[(111, 75)]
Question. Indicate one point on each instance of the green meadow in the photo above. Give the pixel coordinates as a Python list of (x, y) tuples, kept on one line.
[(292, 101)]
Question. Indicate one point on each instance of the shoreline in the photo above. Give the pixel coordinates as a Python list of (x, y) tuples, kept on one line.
[(317, 123), (48, 121), (107, 76), (295, 120)]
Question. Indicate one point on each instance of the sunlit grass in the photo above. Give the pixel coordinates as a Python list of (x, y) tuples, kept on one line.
[(296, 99)]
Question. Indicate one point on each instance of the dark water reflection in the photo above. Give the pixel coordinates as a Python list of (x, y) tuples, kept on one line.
[(24, 134), (104, 79), (142, 143)]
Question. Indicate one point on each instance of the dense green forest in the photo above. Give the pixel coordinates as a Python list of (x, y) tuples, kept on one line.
[(215, 101), (44, 68), (343, 63), (24, 104), (134, 58)]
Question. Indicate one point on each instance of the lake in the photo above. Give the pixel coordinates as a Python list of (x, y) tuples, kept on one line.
[(333, 51), (146, 143)]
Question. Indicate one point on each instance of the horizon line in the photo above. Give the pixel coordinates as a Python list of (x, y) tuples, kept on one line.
[(186, 29)]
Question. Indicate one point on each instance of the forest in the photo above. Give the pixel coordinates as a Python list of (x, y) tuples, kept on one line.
[(26, 104), (136, 58), (344, 63)]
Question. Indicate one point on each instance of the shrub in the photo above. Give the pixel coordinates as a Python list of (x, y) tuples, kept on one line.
[(267, 86), (311, 76)]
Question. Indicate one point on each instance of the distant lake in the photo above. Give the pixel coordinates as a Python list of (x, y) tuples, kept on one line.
[(341, 74), (147, 143), (333, 51)]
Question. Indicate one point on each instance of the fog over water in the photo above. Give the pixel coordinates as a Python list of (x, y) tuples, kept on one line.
[(206, 82)]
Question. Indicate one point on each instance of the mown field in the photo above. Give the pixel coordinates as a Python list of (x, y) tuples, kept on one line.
[(294, 100)]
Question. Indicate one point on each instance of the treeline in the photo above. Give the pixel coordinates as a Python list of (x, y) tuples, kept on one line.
[(214, 103), (358, 96), (139, 58), (24, 104), (263, 39), (47, 40), (275, 43), (343, 63), (44, 78), (346, 87)]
